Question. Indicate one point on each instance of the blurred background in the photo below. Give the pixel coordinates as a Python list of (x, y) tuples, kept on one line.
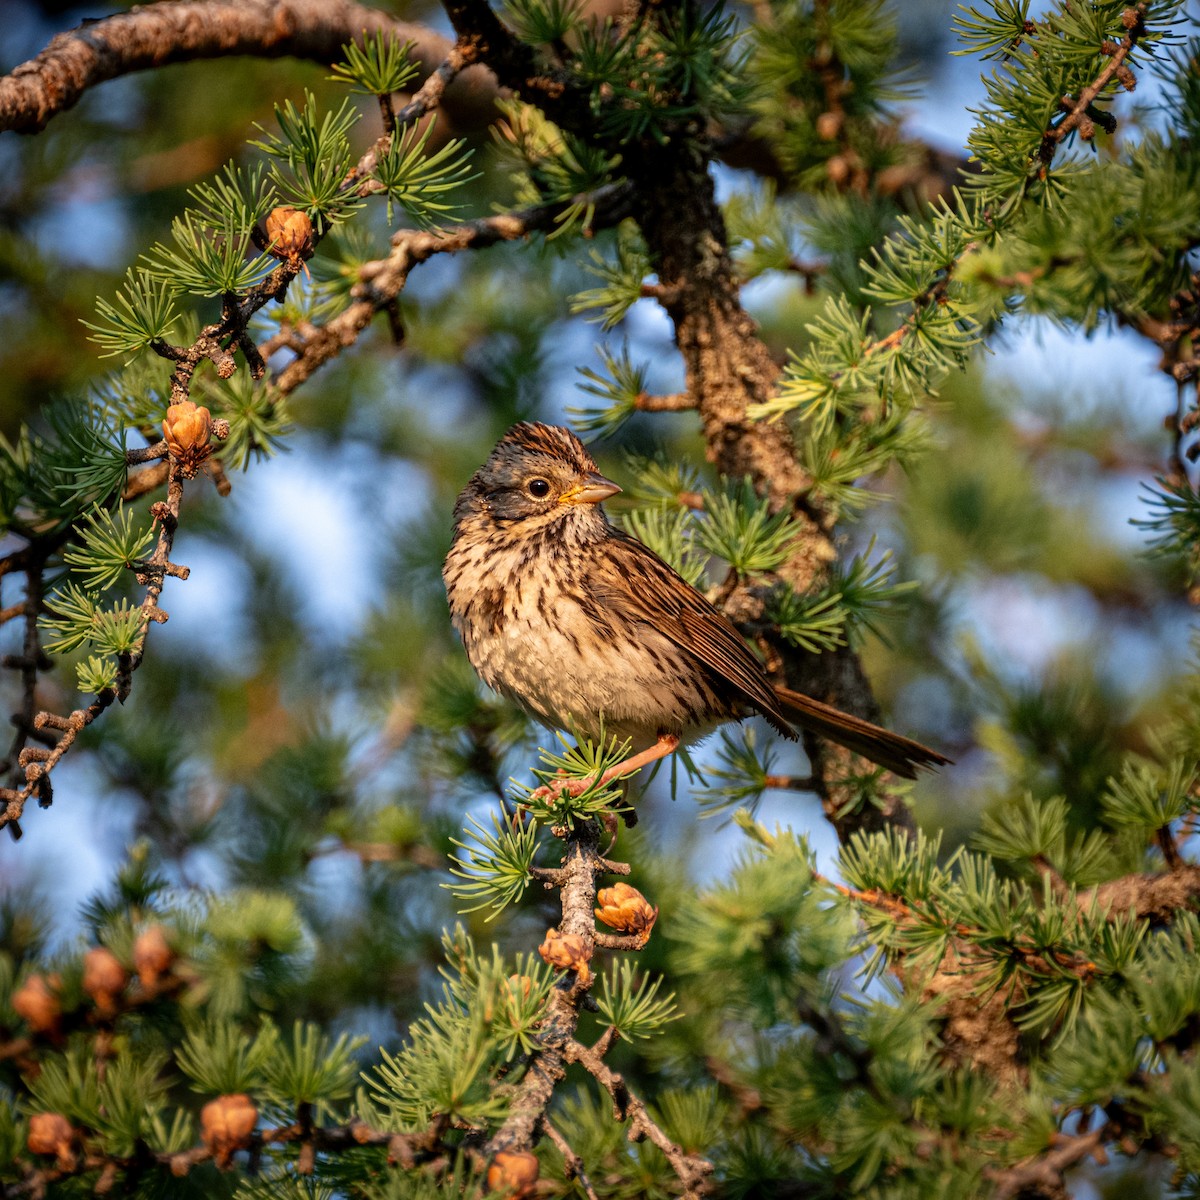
[(306, 721)]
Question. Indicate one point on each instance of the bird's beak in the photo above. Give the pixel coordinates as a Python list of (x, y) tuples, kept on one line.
[(592, 490)]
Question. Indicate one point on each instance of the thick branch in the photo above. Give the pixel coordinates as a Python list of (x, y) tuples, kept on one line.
[(158, 34)]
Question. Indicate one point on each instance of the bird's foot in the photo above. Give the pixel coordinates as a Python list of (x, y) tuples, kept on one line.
[(551, 792)]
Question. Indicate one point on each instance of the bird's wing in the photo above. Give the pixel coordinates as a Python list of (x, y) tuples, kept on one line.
[(640, 587)]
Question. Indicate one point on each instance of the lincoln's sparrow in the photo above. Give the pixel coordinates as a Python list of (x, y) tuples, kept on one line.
[(580, 623)]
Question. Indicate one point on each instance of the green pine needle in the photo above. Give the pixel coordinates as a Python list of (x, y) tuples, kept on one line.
[(621, 281), (584, 761), (414, 180), (813, 623), (111, 545), (207, 260), (742, 771), (96, 675), (740, 528), (631, 1005), (1148, 796), (621, 389), (220, 1057), (239, 196), (495, 864), (380, 66), (543, 22), (670, 533), (312, 157), (141, 314)]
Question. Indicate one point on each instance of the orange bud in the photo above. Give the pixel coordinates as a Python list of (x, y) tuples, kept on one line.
[(152, 956), (289, 234), (51, 1133), (520, 986), (625, 909), (513, 1172), (36, 1000), (104, 979), (829, 125), (838, 170), (226, 1124), (566, 951), (188, 430)]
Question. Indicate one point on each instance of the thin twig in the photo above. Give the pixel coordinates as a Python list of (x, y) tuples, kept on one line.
[(1047, 1170), (1077, 108), (691, 1170), (572, 1163)]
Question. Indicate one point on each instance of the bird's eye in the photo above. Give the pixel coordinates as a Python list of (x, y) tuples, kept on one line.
[(539, 489)]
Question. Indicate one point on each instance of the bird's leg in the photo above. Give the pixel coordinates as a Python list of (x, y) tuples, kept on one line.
[(667, 744)]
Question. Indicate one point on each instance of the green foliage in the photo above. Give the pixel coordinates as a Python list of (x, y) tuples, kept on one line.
[(649, 77), (79, 619), (310, 1070), (759, 234), (621, 389), (49, 475), (379, 67), (140, 315), (632, 1006), (312, 156), (812, 623), (621, 280), (205, 259), (671, 534), (482, 1021), (553, 165), (110, 546), (237, 196), (811, 59), (1174, 522), (494, 864), (220, 1057), (584, 765), (1150, 797), (1059, 57), (543, 22), (865, 590), (415, 180), (743, 773), (258, 416), (740, 528)]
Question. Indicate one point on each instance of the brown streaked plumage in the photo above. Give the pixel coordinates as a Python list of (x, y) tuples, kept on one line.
[(580, 623)]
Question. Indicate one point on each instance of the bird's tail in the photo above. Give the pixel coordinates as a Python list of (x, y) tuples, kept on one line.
[(898, 754)]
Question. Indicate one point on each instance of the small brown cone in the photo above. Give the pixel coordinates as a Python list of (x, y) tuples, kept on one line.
[(36, 1001), (51, 1133), (152, 956), (514, 1173), (566, 952), (625, 909), (226, 1124), (289, 234), (188, 430), (104, 979)]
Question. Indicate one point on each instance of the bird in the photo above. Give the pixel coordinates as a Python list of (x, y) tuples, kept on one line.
[(588, 630)]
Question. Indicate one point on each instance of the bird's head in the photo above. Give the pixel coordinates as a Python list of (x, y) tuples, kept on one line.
[(536, 473)]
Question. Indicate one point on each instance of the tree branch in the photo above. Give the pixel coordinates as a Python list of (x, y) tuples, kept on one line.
[(154, 35), (383, 280), (692, 1171)]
